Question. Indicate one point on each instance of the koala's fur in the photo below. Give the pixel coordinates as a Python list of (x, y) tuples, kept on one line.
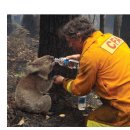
[(30, 94)]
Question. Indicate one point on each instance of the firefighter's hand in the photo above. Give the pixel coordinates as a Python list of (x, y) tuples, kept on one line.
[(58, 79), (74, 57)]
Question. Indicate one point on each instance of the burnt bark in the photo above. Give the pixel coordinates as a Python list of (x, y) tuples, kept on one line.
[(102, 21), (117, 25), (9, 24), (31, 22), (51, 44), (125, 29)]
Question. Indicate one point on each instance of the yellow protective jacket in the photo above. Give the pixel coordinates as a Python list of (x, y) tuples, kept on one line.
[(104, 66)]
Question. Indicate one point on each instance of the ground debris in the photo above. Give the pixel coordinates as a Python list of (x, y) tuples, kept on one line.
[(22, 121), (62, 115), (47, 117)]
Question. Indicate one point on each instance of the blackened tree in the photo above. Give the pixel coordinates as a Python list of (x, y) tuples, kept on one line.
[(102, 21), (30, 22), (51, 44), (117, 24), (125, 29), (9, 24)]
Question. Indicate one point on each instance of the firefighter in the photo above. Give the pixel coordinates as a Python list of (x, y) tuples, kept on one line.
[(104, 67)]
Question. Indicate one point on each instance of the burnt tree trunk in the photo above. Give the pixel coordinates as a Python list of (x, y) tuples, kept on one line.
[(117, 25), (30, 22), (51, 44), (9, 24), (125, 29), (102, 21)]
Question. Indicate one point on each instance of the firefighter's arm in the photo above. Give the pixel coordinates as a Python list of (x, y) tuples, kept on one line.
[(85, 79), (74, 57)]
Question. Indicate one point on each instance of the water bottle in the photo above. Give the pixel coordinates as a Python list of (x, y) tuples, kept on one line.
[(70, 63), (81, 103)]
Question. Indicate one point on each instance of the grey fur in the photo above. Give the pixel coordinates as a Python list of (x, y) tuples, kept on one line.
[(31, 91)]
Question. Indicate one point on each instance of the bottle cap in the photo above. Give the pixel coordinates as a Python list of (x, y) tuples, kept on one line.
[(66, 61)]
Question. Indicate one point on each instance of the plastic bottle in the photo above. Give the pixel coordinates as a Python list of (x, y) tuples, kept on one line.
[(82, 103), (73, 64)]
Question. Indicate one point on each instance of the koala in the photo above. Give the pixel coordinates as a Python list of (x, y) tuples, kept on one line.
[(31, 91)]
